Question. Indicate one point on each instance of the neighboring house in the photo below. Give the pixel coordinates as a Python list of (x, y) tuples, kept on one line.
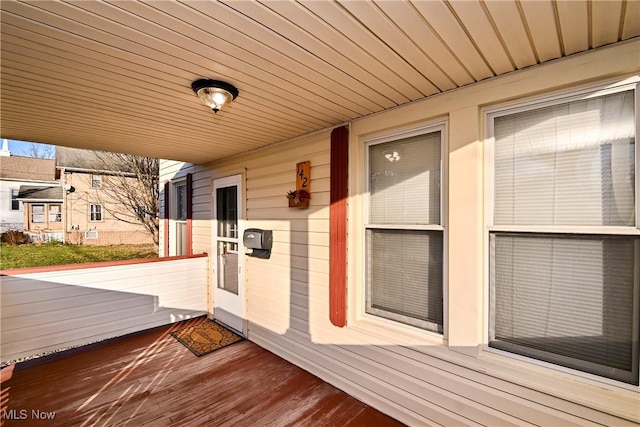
[(88, 208), (20, 176), (483, 248), (43, 213)]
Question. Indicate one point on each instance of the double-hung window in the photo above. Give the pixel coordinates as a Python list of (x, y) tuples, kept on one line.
[(95, 213), (403, 228), (38, 214), (96, 181), (564, 243), (55, 213)]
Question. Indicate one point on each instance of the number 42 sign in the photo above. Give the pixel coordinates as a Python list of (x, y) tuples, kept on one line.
[(303, 176)]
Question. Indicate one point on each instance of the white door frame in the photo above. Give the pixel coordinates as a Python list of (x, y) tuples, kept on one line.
[(229, 308)]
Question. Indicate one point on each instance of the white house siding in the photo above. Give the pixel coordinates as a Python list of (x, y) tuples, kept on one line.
[(416, 377), (48, 311)]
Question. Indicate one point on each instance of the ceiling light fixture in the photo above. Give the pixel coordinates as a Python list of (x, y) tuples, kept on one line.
[(214, 93)]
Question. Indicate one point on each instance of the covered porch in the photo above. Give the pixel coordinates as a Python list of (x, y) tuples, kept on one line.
[(118, 76), (149, 378)]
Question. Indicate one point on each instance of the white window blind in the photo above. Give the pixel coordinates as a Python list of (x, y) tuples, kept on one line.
[(405, 264), (406, 276), (405, 181), (567, 300), (559, 296), (570, 164)]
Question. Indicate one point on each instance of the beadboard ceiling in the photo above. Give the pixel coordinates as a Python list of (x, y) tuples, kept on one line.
[(116, 75)]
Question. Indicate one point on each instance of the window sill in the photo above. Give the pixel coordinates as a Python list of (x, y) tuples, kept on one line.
[(606, 395), (388, 332)]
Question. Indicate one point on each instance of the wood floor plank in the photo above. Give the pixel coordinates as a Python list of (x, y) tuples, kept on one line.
[(149, 379)]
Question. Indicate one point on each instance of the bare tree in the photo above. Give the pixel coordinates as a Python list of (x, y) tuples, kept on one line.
[(41, 151), (133, 184)]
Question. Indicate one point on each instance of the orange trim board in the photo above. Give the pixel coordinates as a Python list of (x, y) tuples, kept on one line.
[(338, 226)]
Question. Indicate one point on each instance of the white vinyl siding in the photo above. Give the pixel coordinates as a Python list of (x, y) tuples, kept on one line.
[(567, 293), (404, 234)]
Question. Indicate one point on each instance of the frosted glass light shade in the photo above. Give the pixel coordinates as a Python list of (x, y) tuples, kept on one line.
[(214, 93)]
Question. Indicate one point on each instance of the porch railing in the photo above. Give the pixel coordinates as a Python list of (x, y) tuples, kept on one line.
[(47, 309)]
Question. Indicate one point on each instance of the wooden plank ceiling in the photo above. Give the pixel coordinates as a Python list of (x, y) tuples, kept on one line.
[(116, 75)]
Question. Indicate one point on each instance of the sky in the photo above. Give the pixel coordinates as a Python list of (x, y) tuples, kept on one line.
[(20, 148)]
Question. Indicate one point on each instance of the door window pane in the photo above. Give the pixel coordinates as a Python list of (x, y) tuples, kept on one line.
[(227, 211), (228, 266)]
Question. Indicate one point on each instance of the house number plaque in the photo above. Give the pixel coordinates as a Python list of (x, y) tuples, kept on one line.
[(303, 176), (300, 198)]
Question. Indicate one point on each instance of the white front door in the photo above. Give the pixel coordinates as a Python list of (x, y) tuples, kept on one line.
[(228, 302)]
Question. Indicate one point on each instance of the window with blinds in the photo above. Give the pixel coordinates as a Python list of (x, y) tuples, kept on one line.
[(564, 243), (404, 232)]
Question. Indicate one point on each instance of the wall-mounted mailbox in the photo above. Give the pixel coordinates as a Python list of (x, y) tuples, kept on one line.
[(260, 241)]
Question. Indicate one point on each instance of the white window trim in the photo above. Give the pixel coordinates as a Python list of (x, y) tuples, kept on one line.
[(359, 319), (489, 114)]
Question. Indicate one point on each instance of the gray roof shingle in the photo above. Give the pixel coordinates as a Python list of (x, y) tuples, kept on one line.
[(27, 168), (29, 192)]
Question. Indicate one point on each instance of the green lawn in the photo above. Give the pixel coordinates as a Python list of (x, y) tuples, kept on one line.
[(48, 254)]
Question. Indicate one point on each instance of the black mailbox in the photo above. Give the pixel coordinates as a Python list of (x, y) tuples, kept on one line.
[(258, 240)]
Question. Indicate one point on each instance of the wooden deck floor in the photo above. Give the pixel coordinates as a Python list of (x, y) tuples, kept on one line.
[(150, 379)]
